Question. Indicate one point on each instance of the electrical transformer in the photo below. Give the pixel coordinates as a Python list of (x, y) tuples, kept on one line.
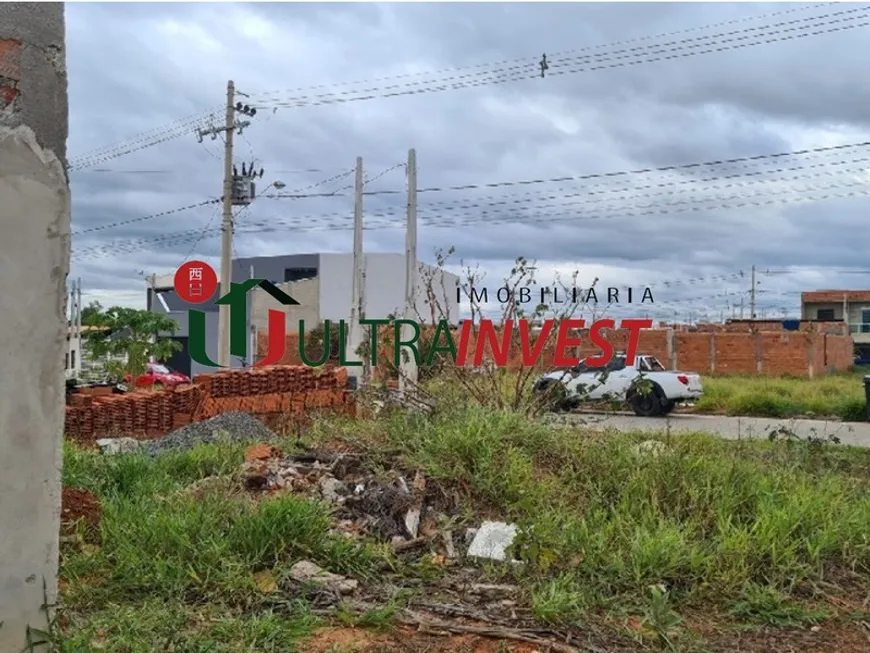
[(244, 190)]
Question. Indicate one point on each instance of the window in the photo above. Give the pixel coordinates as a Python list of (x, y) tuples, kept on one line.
[(655, 365), (159, 369), (297, 274), (825, 314), (616, 364), (66, 361), (72, 358)]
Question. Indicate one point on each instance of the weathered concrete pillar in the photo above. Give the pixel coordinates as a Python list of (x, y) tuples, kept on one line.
[(34, 262)]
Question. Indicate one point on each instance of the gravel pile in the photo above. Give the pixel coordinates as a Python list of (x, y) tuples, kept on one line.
[(235, 426)]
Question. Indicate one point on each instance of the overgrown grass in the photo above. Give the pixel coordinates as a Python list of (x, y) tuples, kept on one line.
[(740, 529), (171, 568), (840, 396), (709, 520)]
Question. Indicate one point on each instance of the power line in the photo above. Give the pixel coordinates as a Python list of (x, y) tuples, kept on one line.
[(455, 70), (753, 177), (506, 75), (530, 197), (145, 140), (764, 159), (274, 225), (161, 214), (202, 234), (643, 171), (522, 67), (185, 125)]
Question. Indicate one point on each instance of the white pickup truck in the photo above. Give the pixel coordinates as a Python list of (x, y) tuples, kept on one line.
[(651, 390)]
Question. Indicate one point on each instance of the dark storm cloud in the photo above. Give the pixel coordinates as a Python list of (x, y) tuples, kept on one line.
[(134, 68)]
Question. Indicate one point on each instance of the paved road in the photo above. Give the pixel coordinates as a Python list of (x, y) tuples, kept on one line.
[(732, 428)]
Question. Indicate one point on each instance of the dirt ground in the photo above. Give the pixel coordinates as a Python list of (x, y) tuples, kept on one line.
[(79, 504), (831, 638), (410, 640), (354, 640), (842, 637)]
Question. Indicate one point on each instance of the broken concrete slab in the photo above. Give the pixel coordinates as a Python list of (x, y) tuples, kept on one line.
[(412, 521), (331, 489), (115, 446), (492, 540), (305, 572)]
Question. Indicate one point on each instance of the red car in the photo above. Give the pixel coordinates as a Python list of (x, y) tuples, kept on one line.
[(159, 376)]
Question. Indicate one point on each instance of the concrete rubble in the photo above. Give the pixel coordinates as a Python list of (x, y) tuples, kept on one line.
[(409, 516), (491, 540), (307, 573), (115, 446)]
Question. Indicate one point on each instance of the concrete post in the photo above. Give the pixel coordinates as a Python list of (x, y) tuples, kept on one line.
[(759, 351), (34, 263), (712, 352)]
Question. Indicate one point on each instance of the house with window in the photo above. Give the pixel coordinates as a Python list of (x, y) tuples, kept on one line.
[(79, 361), (321, 283), (849, 306)]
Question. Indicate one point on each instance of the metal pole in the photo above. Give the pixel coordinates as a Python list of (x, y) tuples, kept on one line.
[(152, 291), (79, 326), (752, 296), (408, 369), (71, 328), (252, 343), (354, 336), (227, 231)]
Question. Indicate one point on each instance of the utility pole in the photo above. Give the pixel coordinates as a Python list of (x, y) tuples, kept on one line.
[(354, 335), (752, 296), (408, 365), (78, 328), (152, 291), (71, 329), (238, 190), (227, 231)]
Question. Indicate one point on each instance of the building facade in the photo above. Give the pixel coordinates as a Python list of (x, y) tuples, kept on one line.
[(849, 306), (322, 284)]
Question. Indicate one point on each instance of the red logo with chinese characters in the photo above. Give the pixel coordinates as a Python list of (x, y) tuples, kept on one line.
[(196, 282)]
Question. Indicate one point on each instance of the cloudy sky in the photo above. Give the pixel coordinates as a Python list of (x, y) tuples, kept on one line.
[(629, 87)]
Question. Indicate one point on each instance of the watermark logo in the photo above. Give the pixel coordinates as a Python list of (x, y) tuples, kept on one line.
[(196, 283)]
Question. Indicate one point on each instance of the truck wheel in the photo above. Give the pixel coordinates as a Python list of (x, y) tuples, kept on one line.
[(648, 404), (668, 407)]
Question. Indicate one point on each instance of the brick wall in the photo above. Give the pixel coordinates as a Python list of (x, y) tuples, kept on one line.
[(747, 326), (834, 296), (10, 71), (273, 393)]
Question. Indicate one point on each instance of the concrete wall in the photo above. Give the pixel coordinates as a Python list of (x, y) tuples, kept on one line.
[(385, 287), (306, 292), (272, 268), (810, 311), (34, 263)]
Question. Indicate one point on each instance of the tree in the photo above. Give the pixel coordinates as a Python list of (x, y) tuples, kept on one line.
[(91, 313), (132, 333)]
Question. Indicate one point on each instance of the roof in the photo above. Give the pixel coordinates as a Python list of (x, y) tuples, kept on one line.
[(834, 296), (85, 329)]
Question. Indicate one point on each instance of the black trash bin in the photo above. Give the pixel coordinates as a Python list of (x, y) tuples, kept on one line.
[(867, 395)]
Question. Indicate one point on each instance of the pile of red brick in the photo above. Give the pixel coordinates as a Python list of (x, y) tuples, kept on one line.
[(280, 391)]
